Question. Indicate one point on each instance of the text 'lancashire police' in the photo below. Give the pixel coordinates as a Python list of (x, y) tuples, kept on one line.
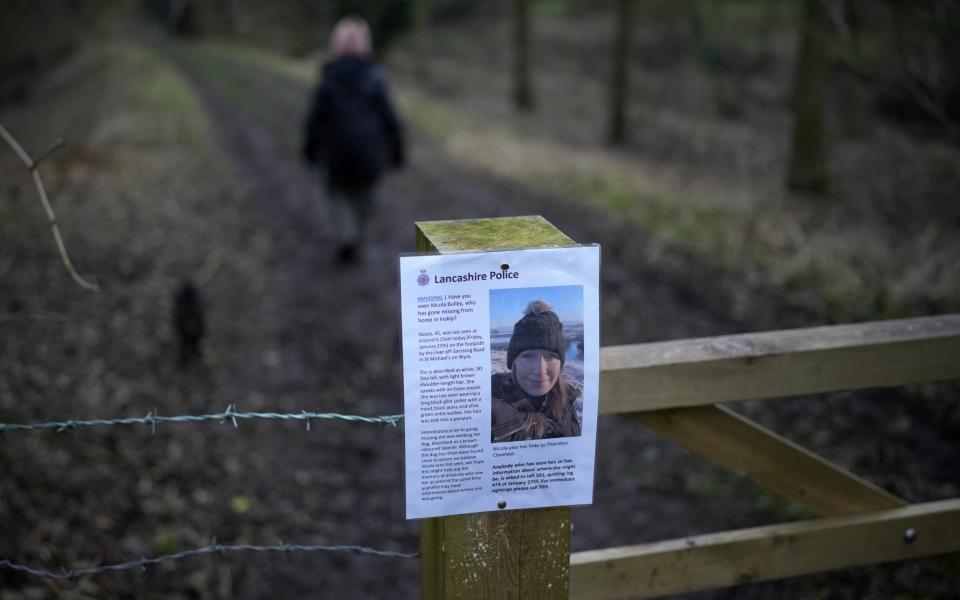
[(476, 277)]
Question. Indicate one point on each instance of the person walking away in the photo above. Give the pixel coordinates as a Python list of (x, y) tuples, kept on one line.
[(352, 134)]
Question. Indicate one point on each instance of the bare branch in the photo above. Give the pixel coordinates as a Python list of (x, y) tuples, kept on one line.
[(875, 74), (53, 148), (851, 60), (835, 12), (16, 147), (31, 166)]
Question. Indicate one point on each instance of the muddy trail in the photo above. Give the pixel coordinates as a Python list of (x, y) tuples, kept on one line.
[(313, 334)]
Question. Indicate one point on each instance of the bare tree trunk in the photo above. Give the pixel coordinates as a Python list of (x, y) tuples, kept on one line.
[(808, 168), (620, 73), (226, 11), (703, 48), (421, 35), (727, 84), (522, 85), (181, 18), (851, 99)]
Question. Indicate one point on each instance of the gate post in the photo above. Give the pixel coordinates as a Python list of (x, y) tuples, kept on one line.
[(513, 553)]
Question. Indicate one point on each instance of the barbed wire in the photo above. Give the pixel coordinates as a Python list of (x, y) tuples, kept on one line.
[(143, 563), (230, 414)]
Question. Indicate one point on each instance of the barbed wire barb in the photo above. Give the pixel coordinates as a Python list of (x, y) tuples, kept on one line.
[(231, 414), (306, 420), (152, 421), (31, 166), (221, 549)]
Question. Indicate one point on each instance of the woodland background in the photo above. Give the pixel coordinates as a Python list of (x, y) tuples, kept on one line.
[(746, 165)]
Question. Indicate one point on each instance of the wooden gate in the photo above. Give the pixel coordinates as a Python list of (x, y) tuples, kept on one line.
[(675, 388)]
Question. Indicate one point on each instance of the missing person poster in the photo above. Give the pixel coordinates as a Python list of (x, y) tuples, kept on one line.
[(501, 363)]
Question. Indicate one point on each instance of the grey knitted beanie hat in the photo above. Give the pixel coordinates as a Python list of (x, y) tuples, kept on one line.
[(539, 329)]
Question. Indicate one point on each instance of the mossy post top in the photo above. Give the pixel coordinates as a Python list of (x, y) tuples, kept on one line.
[(497, 233)]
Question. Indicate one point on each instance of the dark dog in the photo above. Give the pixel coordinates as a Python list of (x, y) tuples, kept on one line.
[(188, 321)]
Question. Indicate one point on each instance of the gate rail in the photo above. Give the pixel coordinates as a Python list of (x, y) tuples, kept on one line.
[(672, 388)]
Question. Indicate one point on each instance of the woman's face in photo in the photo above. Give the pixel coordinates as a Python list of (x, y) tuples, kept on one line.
[(536, 371)]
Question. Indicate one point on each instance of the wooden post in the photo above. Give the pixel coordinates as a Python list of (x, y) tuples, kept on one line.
[(513, 553)]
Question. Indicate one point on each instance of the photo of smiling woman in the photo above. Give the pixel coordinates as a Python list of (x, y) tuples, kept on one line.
[(537, 381)]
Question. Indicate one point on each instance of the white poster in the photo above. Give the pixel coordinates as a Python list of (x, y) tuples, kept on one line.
[(501, 363)]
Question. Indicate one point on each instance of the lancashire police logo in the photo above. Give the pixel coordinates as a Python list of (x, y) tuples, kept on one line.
[(423, 279)]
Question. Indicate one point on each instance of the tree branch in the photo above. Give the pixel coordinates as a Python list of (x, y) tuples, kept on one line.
[(902, 79), (31, 166), (876, 74)]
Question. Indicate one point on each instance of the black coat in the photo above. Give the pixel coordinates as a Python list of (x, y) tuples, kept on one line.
[(352, 129)]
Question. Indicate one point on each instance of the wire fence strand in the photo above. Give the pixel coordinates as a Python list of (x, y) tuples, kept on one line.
[(230, 414), (143, 563)]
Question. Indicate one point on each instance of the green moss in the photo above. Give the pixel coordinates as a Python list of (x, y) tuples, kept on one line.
[(490, 234)]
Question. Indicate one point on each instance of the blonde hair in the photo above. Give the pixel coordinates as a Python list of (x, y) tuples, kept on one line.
[(351, 36)]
